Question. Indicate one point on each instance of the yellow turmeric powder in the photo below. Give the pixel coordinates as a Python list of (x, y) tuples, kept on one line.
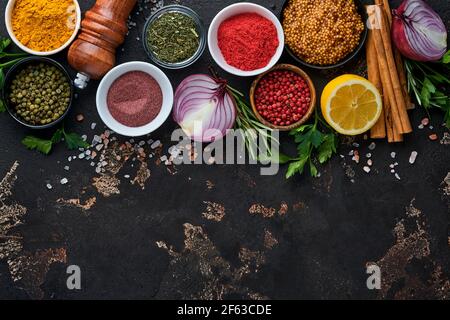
[(43, 25)]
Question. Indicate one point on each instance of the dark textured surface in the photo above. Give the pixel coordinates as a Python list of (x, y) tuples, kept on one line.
[(333, 227)]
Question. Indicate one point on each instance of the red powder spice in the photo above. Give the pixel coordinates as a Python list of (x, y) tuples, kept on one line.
[(248, 41), (135, 99)]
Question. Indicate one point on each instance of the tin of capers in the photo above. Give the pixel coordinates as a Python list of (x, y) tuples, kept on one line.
[(39, 93)]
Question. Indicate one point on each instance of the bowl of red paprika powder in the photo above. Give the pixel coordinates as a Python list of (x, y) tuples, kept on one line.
[(134, 99), (246, 39), (283, 98)]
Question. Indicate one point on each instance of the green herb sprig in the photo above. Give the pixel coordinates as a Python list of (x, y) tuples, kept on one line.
[(313, 145), (429, 82), (73, 141), (13, 58), (252, 128)]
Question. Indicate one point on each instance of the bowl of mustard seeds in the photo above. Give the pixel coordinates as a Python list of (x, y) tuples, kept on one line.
[(324, 34)]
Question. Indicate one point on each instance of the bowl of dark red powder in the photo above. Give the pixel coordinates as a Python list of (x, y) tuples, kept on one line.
[(246, 39), (134, 99)]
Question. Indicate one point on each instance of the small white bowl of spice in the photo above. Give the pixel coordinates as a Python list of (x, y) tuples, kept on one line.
[(42, 27), (246, 39), (135, 99)]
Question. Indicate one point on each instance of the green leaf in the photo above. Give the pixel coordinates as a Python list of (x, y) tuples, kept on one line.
[(301, 129), (427, 89), (74, 141), (4, 43), (2, 78), (446, 58), (33, 143), (313, 170), (296, 167), (2, 106), (327, 149), (57, 136), (316, 138)]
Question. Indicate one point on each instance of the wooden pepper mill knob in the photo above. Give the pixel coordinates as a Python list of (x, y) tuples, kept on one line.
[(103, 29)]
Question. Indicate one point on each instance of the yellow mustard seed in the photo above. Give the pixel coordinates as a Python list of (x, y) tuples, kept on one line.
[(322, 32)]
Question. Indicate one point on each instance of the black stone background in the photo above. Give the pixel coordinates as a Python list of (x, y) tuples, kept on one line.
[(322, 251)]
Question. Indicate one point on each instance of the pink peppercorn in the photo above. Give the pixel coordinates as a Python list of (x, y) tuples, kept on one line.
[(282, 97)]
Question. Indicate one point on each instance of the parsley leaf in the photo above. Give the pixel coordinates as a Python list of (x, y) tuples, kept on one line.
[(446, 58), (33, 143), (74, 141), (314, 146)]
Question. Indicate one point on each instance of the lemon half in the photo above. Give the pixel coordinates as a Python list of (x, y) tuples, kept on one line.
[(351, 104)]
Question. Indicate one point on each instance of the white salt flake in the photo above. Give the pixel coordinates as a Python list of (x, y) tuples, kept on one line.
[(49, 186), (64, 181), (413, 157), (397, 176), (99, 147), (163, 158), (367, 169), (155, 144), (372, 146), (93, 125), (393, 155), (67, 168), (81, 156), (369, 155)]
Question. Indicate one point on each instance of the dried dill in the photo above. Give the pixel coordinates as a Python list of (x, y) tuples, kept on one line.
[(173, 37)]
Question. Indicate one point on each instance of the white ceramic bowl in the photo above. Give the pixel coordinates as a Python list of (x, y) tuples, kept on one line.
[(230, 11), (8, 14), (108, 80)]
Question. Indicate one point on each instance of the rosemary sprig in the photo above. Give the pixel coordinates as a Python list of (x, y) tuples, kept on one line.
[(252, 129)]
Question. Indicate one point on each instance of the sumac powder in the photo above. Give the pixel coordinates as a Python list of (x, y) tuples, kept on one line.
[(135, 99), (248, 41)]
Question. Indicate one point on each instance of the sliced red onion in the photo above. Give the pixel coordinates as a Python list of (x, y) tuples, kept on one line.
[(418, 31), (203, 108)]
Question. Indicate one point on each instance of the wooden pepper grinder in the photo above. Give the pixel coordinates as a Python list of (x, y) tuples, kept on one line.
[(103, 29)]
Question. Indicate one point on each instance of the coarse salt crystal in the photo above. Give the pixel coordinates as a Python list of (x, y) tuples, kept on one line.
[(372, 146), (155, 144), (393, 155), (163, 158), (49, 186), (67, 168), (366, 169), (81, 156), (93, 125), (99, 147), (413, 157), (127, 176), (397, 176), (369, 162), (369, 155), (64, 181)]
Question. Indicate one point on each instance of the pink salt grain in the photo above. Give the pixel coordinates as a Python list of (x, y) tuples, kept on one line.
[(135, 99)]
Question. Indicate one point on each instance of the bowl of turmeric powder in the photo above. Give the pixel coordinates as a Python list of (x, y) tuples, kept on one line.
[(42, 27)]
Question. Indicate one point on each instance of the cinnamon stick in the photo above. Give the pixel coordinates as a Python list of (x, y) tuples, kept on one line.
[(398, 57), (379, 130), (388, 90), (388, 70)]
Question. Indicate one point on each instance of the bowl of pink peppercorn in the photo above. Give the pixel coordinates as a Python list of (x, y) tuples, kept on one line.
[(283, 98)]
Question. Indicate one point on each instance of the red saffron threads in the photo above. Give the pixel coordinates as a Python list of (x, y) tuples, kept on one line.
[(135, 99), (248, 41)]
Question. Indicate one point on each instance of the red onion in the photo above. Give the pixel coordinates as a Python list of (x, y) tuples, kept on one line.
[(203, 108), (418, 31)]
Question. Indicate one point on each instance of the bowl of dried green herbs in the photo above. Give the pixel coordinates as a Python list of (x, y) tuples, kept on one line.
[(174, 37)]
